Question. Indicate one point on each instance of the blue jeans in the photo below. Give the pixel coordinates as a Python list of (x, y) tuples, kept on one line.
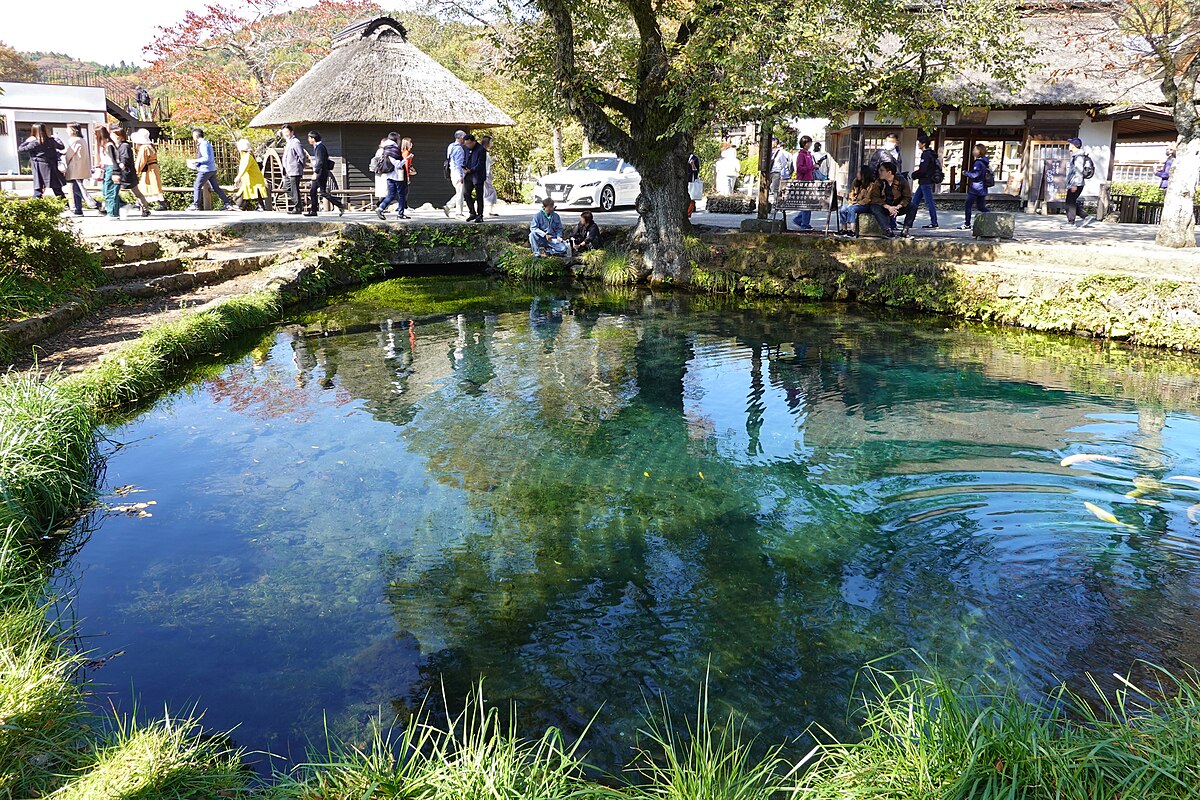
[(924, 193), (112, 194), (973, 201), (538, 243), (885, 220), (77, 195), (211, 179), (398, 191), (848, 214), (803, 219)]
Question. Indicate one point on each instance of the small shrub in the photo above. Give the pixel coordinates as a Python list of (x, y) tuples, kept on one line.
[(524, 265), (730, 204), (1144, 192), (42, 259)]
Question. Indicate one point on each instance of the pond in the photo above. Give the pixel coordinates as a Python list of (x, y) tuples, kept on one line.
[(595, 500)]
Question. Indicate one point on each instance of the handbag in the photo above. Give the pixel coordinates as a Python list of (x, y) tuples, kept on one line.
[(819, 175), (97, 174), (696, 190)]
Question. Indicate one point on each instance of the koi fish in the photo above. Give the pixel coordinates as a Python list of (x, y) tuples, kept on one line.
[(1079, 458), (1187, 478), (1193, 513), (1105, 516)]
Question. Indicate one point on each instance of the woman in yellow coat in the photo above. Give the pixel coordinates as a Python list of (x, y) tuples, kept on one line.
[(251, 186), (146, 163)]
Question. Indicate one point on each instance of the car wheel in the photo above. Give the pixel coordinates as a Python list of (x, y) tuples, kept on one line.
[(608, 198)]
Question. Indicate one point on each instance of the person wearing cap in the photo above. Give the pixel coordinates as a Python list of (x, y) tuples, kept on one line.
[(146, 161), (977, 184), (251, 186), (927, 174), (205, 164), (1076, 177), (546, 231), (456, 156), (474, 176)]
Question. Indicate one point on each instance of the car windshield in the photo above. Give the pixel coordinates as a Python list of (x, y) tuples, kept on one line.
[(602, 163)]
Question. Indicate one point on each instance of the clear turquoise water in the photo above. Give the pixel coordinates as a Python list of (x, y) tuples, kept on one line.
[(594, 500)]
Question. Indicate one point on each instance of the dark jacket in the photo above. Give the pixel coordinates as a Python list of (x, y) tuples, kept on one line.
[(974, 176), (46, 152), (885, 156), (693, 167), (1164, 174), (926, 172), (474, 165), (588, 234), (320, 158), (126, 165)]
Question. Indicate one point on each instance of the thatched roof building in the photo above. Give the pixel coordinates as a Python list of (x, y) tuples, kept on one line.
[(1088, 81), (375, 81)]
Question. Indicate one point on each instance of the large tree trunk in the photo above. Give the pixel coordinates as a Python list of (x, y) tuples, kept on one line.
[(1178, 225), (658, 238), (556, 140)]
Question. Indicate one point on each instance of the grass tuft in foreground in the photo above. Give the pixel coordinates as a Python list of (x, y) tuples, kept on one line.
[(926, 736)]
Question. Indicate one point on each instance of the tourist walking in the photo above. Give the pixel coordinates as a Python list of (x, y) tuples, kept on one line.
[(586, 235), (889, 153), (806, 168), (125, 171), (928, 174), (856, 201), (142, 96), (106, 155), (456, 154), (490, 195), (889, 196), (251, 186), (546, 231), (1164, 172), (399, 158), (781, 169), (294, 158), (1079, 170), (149, 176), (728, 169), (44, 151), (979, 179), (77, 166), (474, 176), (322, 170), (205, 164)]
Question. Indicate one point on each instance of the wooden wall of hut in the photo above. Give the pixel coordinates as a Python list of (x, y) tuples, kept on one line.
[(357, 143)]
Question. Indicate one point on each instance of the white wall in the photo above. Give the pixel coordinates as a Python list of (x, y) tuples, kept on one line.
[(23, 103)]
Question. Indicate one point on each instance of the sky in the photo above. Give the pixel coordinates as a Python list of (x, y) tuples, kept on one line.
[(95, 31)]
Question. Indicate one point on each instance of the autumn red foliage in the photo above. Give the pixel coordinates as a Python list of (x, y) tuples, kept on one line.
[(225, 63)]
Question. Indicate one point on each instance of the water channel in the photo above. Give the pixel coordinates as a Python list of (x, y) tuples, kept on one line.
[(598, 499)]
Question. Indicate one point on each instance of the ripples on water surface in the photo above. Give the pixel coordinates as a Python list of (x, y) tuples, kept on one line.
[(590, 499)]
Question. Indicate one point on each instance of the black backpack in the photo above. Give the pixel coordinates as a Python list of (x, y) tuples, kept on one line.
[(1089, 168), (381, 165), (988, 177)]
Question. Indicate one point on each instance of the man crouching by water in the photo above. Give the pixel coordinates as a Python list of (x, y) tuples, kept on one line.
[(546, 231)]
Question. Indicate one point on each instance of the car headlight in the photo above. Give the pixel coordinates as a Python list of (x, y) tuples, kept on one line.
[(589, 185)]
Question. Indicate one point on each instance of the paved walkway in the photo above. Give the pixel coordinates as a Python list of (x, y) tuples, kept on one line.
[(1031, 228)]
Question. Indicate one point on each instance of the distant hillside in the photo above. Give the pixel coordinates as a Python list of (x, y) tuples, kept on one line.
[(61, 61)]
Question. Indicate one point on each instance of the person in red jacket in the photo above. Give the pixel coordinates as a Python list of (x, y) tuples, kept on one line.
[(806, 169)]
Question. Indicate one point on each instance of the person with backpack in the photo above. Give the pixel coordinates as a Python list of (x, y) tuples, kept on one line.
[(1079, 171), (928, 174), (456, 155), (888, 154), (980, 178), (386, 165)]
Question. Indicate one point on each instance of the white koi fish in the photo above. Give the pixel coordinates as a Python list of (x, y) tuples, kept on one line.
[(1080, 458), (1105, 516)]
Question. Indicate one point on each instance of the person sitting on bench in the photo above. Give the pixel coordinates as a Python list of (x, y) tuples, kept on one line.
[(890, 196)]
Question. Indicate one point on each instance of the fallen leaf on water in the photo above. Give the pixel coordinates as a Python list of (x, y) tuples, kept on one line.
[(1105, 516), (701, 474), (128, 488), (1079, 458), (647, 474)]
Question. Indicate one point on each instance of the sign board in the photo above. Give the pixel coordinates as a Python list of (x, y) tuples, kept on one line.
[(1054, 189), (805, 196)]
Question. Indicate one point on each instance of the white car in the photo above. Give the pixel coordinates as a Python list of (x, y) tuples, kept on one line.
[(600, 181)]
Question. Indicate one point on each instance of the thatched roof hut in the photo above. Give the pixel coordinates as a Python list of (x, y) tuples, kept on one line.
[(375, 81)]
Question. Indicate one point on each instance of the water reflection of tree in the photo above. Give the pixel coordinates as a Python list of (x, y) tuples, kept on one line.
[(596, 562)]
